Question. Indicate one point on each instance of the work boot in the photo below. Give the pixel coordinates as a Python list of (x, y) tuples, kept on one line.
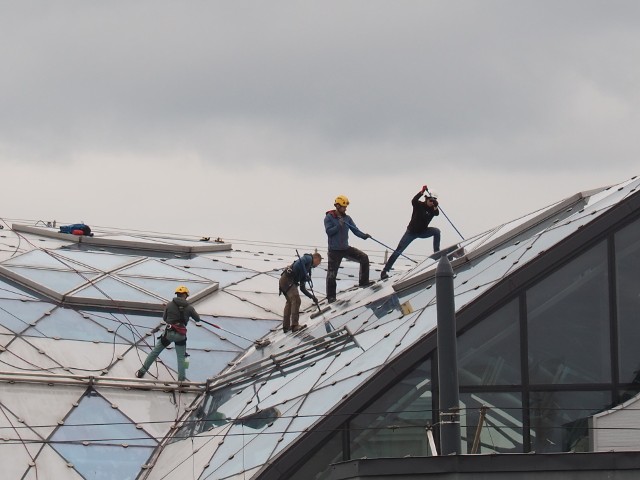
[(140, 373), (297, 328), (384, 275), (366, 284), (331, 299), (285, 329)]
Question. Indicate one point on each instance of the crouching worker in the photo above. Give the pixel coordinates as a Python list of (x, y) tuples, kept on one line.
[(293, 276), (176, 316)]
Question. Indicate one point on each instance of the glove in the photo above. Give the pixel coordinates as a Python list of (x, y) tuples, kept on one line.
[(314, 299), (424, 189), (366, 236)]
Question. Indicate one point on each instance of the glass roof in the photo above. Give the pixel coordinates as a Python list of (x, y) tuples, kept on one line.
[(72, 405)]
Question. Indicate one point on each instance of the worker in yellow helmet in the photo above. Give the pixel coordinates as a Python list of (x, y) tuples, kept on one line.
[(176, 316), (337, 225)]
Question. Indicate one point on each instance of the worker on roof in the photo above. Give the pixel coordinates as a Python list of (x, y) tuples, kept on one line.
[(337, 225), (297, 274), (423, 213), (176, 316)]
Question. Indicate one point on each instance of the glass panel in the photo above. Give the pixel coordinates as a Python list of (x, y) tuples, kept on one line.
[(9, 292), (240, 331), (38, 258), (154, 268), (104, 262), (394, 424), (165, 288), (489, 353), (96, 421), (101, 462), (130, 327), (627, 242), (502, 427), (17, 315), (201, 337), (559, 420), (55, 280), (112, 289), (568, 323), (224, 277), (202, 365), (318, 466), (69, 324)]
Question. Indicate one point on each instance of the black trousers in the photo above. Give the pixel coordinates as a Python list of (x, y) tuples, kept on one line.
[(335, 259)]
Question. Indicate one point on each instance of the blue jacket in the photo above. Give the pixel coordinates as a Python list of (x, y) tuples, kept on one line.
[(301, 269), (338, 234), (301, 273)]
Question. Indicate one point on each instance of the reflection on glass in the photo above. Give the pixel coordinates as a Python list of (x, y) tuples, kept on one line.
[(394, 424), (568, 323), (627, 243), (500, 417), (559, 420), (489, 352)]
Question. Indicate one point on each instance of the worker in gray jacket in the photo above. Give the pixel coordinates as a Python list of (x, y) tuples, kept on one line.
[(176, 316)]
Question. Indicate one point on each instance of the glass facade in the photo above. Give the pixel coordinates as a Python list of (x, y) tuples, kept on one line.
[(627, 254), (561, 326)]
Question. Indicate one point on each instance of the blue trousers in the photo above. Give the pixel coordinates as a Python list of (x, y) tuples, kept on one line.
[(409, 237), (181, 348)]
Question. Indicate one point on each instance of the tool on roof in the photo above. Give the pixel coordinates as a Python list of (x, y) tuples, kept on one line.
[(387, 246), (310, 282), (258, 343), (445, 215)]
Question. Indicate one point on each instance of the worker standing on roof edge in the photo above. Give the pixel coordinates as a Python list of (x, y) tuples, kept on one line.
[(297, 274), (337, 225), (176, 316), (421, 216)]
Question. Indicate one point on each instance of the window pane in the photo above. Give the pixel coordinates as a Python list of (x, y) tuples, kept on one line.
[(394, 425), (489, 353), (568, 323), (69, 324), (502, 428), (627, 242), (318, 466), (559, 420)]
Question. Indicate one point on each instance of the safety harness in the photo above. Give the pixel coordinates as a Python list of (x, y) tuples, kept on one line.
[(289, 273)]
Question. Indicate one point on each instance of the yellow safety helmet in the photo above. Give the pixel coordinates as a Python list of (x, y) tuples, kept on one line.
[(182, 289), (341, 200)]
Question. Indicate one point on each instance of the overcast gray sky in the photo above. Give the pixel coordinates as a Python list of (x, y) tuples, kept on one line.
[(244, 119)]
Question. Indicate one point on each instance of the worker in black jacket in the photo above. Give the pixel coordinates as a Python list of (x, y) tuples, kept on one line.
[(423, 213)]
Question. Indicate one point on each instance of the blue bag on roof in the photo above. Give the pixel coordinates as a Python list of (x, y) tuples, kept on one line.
[(85, 229)]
